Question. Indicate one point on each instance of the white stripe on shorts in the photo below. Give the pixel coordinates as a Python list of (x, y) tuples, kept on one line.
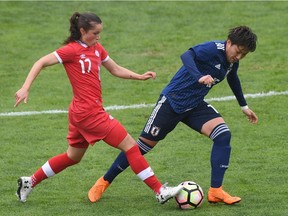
[(153, 114)]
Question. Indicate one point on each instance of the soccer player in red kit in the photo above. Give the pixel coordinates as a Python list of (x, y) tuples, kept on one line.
[(82, 55)]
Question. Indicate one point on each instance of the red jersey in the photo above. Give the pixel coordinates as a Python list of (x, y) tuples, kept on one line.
[(82, 64)]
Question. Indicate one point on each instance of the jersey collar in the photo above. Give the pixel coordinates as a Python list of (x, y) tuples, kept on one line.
[(82, 43)]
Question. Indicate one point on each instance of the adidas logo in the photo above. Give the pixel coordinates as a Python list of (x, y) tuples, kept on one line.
[(218, 66)]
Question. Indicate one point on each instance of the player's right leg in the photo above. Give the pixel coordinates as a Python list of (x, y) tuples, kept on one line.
[(24, 188), (50, 168), (76, 149)]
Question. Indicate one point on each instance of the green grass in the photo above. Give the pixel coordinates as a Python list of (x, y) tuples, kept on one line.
[(143, 36)]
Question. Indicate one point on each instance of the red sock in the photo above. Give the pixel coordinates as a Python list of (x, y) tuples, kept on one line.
[(52, 167), (142, 169)]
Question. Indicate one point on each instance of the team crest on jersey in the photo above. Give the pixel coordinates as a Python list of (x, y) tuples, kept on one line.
[(82, 56), (97, 53), (155, 131)]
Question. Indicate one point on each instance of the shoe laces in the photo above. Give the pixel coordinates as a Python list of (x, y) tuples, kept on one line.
[(165, 185)]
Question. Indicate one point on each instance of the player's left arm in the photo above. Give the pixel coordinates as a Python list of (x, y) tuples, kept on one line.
[(252, 117), (235, 85), (121, 72)]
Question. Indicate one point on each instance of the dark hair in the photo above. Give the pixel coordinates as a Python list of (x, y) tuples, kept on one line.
[(77, 21), (243, 36)]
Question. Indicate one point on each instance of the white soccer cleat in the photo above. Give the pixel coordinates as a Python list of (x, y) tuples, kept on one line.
[(167, 193), (24, 188)]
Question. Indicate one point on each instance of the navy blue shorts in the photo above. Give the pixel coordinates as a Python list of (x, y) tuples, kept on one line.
[(164, 119)]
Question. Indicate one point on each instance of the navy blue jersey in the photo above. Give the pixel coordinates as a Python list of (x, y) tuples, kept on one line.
[(184, 92)]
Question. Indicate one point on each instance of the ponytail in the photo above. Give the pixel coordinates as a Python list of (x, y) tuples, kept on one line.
[(78, 21)]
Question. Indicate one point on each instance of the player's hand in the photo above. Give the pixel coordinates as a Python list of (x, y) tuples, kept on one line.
[(148, 75), (252, 117), (20, 95), (207, 80)]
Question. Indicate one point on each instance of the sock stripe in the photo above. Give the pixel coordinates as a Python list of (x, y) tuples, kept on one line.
[(48, 170), (219, 129), (143, 146), (146, 173)]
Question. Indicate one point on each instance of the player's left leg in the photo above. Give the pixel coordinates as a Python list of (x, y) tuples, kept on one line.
[(206, 120), (141, 168), (220, 156), (119, 138), (118, 166), (160, 118), (121, 162)]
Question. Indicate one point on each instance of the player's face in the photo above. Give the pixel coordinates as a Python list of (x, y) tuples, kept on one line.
[(235, 52), (91, 36)]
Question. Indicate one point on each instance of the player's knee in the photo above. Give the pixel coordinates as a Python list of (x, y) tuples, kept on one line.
[(144, 146), (221, 135), (127, 143), (75, 159), (75, 154)]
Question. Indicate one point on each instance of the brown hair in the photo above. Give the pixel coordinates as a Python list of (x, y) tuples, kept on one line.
[(243, 36), (77, 21)]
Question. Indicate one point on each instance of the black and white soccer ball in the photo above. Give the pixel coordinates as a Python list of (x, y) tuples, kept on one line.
[(190, 197)]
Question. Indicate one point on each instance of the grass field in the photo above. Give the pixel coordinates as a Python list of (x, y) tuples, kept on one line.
[(144, 36)]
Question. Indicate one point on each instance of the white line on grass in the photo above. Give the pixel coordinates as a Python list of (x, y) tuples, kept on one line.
[(136, 106)]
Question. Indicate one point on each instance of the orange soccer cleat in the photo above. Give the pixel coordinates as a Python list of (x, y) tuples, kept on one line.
[(216, 195), (98, 189)]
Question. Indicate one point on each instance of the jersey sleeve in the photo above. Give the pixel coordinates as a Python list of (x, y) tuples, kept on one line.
[(235, 85), (189, 63), (65, 54), (201, 53), (205, 51), (104, 54)]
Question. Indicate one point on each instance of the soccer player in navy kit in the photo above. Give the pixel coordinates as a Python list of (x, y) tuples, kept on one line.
[(182, 100)]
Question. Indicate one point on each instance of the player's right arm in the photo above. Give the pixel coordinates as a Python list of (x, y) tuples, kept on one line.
[(188, 61), (23, 92)]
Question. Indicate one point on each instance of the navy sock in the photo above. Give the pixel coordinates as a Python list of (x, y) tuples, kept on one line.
[(220, 154), (121, 162)]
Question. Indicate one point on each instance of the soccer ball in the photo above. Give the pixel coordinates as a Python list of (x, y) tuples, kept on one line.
[(190, 197)]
